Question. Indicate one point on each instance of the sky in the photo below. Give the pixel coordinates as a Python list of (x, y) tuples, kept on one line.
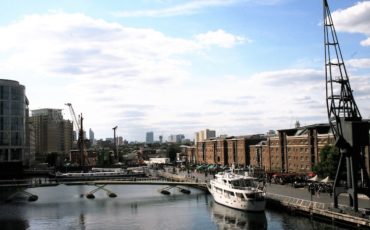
[(177, 67)]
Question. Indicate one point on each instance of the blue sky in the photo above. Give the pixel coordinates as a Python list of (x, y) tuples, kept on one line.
[(236, 66)]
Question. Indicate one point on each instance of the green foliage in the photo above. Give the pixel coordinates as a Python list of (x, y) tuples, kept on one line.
[(172, 150), (329, 160)]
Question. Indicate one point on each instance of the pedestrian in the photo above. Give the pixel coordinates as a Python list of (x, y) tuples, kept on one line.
[(318, 192)]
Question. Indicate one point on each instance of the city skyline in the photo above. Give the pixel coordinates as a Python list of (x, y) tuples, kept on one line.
[(235, 66)]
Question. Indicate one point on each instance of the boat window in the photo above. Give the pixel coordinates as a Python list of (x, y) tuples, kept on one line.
[(240, 195), (229, 193), (236, 183), (251, 195)]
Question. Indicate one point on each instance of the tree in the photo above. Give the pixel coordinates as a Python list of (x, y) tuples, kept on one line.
[(329, 160), (51, 159), (172, 150)]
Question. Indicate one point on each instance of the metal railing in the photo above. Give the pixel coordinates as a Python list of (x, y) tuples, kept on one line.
[(297, 202)]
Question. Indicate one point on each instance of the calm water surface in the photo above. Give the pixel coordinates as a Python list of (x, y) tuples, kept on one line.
[(137, 207)]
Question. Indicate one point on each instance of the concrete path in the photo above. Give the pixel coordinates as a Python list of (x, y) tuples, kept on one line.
[(302, 193)]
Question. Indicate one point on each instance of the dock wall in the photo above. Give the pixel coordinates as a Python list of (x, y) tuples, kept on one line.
[(317, 210)]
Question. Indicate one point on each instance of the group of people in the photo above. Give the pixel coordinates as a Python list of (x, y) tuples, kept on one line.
[(317, 188)]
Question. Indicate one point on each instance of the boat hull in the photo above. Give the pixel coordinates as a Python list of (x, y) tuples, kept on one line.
[(234, 202)]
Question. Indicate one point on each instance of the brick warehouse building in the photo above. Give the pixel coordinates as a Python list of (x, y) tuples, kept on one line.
[(224, 151), (294, 150)]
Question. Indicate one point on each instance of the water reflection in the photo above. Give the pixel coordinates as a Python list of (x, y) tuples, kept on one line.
[(134, 208), (14, 224), (228, 218), (82, 222)]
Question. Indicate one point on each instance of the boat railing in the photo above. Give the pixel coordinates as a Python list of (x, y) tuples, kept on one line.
[(242, 187)]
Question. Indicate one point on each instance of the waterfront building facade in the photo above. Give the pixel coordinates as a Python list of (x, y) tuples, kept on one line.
[(294, 150), (226, 150), (13, 122), (52, 133)]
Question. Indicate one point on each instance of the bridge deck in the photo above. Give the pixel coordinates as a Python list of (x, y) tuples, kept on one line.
[(110, 181)]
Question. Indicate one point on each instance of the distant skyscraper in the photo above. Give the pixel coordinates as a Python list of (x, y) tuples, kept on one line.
[(197, 138), (120, 140), (149, 137), (210, 134), (176, 138), (91, 136), (13, 116), (52, 132), (204, 135), (160, 139)]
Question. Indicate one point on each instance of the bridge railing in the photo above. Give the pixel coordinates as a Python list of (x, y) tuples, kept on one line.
[(182, 178), (158, 177)]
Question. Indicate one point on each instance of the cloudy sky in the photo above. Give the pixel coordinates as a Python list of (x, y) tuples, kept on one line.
[(170, 66)]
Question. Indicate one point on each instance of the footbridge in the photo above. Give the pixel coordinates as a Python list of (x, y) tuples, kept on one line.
[(19, 186), (137, 181)]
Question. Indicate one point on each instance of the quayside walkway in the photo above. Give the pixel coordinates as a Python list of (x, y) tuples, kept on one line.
[(320, 210)]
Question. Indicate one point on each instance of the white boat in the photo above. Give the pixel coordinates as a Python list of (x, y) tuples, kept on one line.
[(237, 191)]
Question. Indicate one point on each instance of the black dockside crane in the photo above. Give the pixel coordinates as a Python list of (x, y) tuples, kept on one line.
[(351, 133)]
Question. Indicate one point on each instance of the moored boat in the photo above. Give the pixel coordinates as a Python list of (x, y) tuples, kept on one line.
[(237, 191)]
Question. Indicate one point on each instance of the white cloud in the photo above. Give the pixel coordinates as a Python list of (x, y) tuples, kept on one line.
[(101, 67), (189, 8), (141, 80), (365, 42), (355, 19), (219, 38), (264, 101), (183, 9), (361, 63)]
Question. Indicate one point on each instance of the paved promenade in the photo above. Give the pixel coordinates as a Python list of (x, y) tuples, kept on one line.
[(302, 193)]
